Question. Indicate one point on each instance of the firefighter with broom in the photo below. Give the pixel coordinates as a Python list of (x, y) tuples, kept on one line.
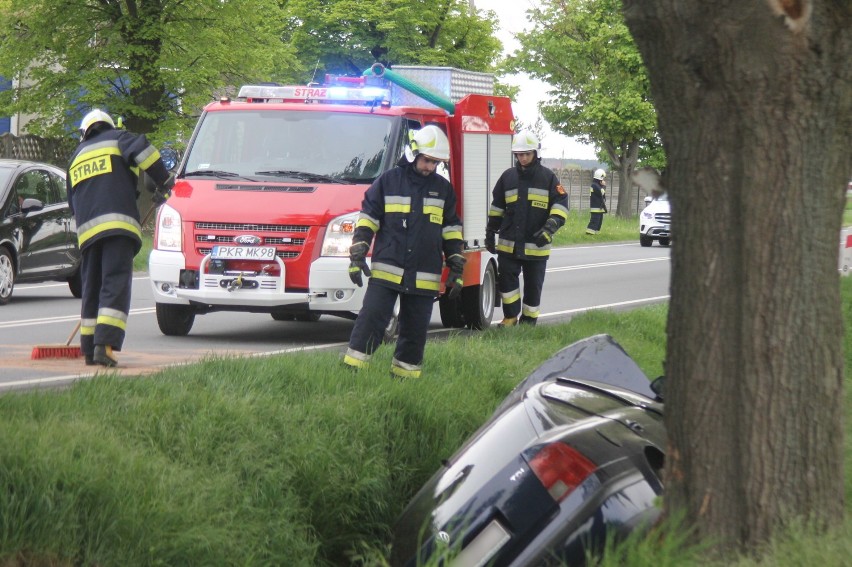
[(102, 178)]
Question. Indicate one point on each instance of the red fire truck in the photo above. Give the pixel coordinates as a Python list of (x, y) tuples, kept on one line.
[(270, 187)]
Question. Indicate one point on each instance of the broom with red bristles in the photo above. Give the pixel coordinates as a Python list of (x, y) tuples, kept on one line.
[(59, 351)]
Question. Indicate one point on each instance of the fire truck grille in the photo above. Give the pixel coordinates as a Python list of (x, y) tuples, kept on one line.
[(250, 227), (288, 239), (267, 241)]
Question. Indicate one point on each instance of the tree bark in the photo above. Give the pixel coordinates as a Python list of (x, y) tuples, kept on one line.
[(754, 100)]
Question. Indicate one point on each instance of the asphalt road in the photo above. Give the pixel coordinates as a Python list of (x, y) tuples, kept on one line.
[(580, 278)]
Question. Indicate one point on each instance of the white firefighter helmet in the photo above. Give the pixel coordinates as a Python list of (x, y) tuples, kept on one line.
[(431, 142), (525, 141), (93, 117), (599, 174)]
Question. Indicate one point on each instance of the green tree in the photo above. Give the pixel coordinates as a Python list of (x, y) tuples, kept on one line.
[(754, 100), (156, 63), (153, 62), (347, 36), (600, 91)]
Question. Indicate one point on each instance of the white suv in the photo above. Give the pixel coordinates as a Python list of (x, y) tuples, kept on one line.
[(655, 221)]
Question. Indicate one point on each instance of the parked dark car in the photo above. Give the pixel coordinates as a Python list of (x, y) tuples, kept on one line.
[(38, 235), (574, 453)]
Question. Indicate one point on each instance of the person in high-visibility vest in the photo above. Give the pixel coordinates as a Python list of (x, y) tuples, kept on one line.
[(101, 181), (528, 206), (410, 210), (597, 202)]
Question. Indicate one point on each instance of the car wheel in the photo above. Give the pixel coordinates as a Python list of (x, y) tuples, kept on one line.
[(452, 315), (478, 300), (664, 242), (645, 240), (7, 276), (175, 320), (309, 317), (75, 284)]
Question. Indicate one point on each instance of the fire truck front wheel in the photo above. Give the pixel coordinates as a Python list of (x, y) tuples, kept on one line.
[(175, 320)]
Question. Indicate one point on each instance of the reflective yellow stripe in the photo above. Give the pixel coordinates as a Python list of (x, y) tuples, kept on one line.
[(452, 235), (110, 225), (397, 208), (531, 312), (537, 252), (368, 223), (404, 370), (559, 210), (354, 362), (148, 156), (378, 274), (425, 284), (115, 322), (511, 297)]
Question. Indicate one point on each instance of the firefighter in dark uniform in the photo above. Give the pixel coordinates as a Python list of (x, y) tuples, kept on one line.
[(101, 181), (528, 206), (411, 211), (597, 202)]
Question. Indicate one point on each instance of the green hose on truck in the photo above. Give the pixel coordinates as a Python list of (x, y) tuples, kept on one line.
[(379, 70)]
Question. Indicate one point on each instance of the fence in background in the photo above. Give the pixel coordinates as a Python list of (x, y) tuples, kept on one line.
[(34, 148), (577, 183)]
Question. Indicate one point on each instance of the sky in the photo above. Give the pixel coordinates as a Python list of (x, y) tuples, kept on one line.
[(512, 14)]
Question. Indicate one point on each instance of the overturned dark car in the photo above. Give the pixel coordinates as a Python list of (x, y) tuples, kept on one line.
[(573, 455)]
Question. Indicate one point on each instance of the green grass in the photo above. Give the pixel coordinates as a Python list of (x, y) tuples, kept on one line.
[(847, 212), (290, 459), (614, 229)]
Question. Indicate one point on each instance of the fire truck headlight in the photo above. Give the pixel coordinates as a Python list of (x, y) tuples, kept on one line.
[(338, 235), (168, 235)]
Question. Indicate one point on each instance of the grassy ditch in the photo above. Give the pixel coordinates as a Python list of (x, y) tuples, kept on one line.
[(288, 460)]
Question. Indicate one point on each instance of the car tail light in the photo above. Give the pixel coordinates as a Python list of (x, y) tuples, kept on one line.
[(561, 469)]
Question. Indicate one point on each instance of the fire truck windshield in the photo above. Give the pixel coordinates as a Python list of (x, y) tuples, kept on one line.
[(255, 142)]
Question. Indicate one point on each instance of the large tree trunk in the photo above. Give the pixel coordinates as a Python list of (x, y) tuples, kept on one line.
[(755, 113)]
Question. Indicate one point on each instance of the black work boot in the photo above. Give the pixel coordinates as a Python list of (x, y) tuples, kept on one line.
[(524, 320), (103, 356)]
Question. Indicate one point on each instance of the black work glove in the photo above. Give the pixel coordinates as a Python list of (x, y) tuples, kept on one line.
[(490, 241), (544, 235), (161, 196), (358, 262), (454, 281)]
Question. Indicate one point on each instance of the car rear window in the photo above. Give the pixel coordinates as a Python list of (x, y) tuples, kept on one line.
[(573, 402)]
